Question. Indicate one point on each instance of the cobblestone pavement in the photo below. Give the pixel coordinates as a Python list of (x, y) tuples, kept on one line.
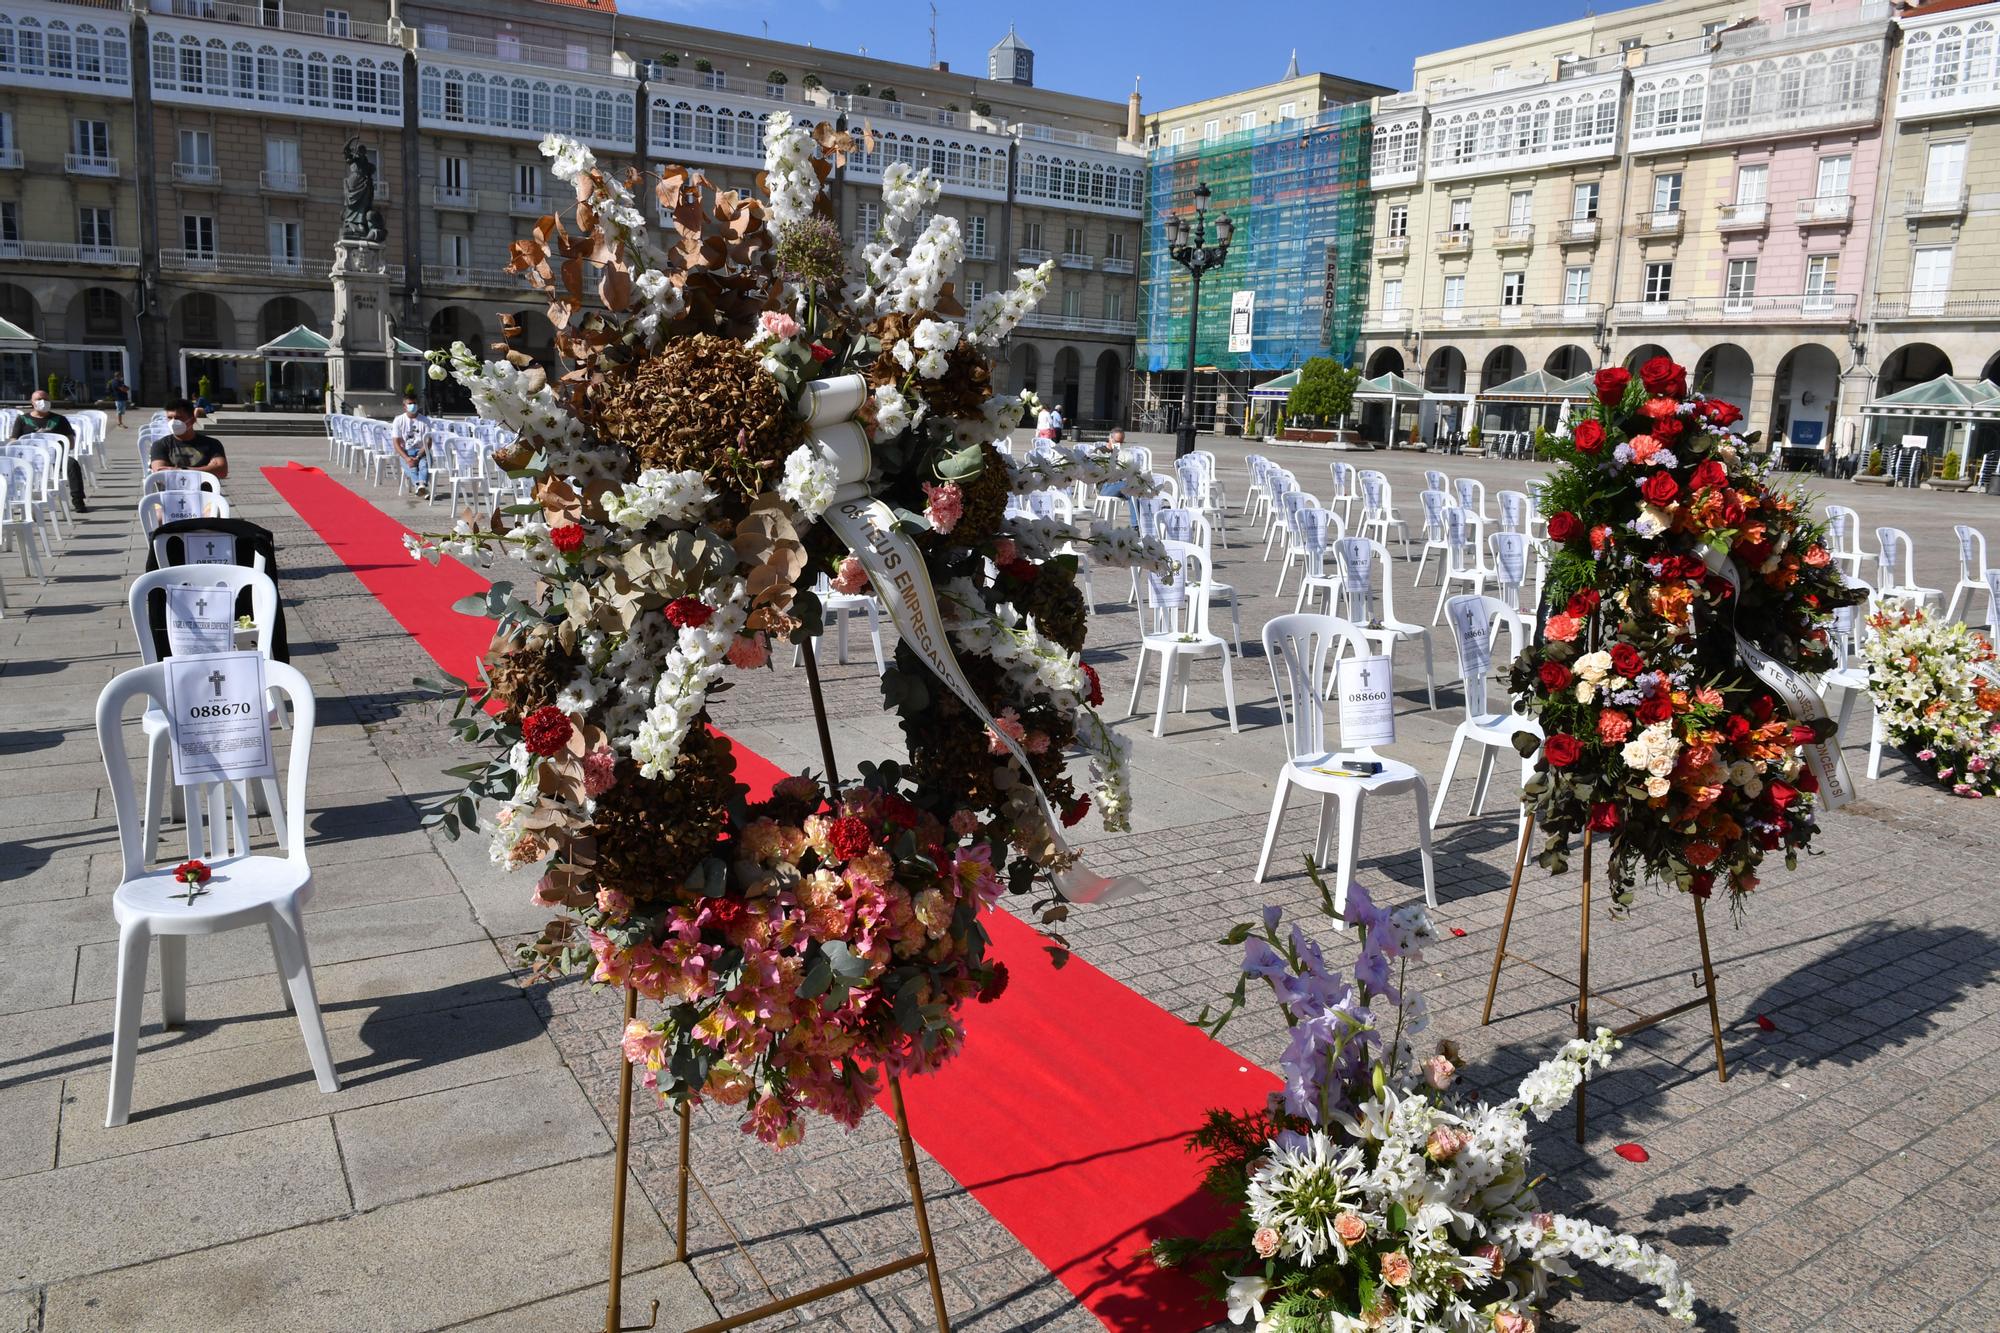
[(1832, 1182)]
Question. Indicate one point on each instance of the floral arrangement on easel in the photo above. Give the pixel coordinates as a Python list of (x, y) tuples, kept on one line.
[(1685, 591), (1936, 695), (684, 475), (1373, 1193)]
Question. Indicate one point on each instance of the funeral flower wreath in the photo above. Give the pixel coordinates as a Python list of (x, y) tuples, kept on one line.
[(748, 408)]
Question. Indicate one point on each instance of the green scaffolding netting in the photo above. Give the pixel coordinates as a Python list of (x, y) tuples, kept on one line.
[(1298, 194)]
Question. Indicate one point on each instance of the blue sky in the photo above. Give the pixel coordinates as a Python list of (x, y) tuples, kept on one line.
[(1185, 49)]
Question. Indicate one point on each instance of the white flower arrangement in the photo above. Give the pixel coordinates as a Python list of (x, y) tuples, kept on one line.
[(809, 480), (1937, 692), (995, 315), (694, 665), (791, 185), (658, 495)]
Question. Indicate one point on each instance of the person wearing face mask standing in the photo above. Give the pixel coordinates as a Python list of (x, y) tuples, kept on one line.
[(411, 435), (41, 417), (187, 447)]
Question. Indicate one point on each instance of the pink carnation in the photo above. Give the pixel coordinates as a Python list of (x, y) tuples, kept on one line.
[(749, 652), (852, 578), (946, 507), (1008, 724), (600, 771), (1005, 552), (964, 823), (779, 324), (1438, 1072)]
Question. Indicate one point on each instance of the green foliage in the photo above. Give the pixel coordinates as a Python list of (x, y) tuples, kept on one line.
[(1875, 461), (864, 89), (1325, 391), (1950, 470), (1542, 439), (777, 76), (203, 387), (702, 65), (1472, 438), (982, 108), (812, 81), (257, 391), (409, 389), (671, 59), (889, 95)]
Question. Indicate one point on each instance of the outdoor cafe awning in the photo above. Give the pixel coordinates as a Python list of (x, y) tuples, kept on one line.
[(1388, 385), (14, 338), (1951, 397), (1540, 386), (300, 344), (1279, 388)]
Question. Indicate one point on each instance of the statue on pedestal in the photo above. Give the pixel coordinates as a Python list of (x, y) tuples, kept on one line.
[(360, 219)]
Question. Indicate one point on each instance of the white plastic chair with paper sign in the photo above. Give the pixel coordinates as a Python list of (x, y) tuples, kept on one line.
[(1470, 493), (1846, 633), (1515, 507), (1191, 526), (181, 479), (1303, 650), (17, 517), (1463, 563), (1368, 599), (1896, 568), (1843, 538), (1510, 552), (835, 610), (162, 507), (243, 889), (1378, 511), (1177, 632), (1971, 569), (1435, 501), (1491, 729), (218, 634)]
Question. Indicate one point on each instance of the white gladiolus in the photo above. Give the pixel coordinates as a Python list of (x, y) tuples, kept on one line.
[(994, 315), (809, 480), (789, 178), (658, 496)]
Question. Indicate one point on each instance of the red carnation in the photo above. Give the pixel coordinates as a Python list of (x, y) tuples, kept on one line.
[(996, 985), (1721, 413), (1663, 378), (1626, 659), (1765, 707), (1604, 816), (1807, 782), (1077, 809), (1095, 695), (567, 538), (192, 872), (1611, 382), (1710, 475), (1736, 729), (1555, 676), (1583, 601), (688, 613), (848, 837), (1701, 883), (822, 353), (1589, 436), (898, 811), (1564, 526), (1661, 488), (1562, 750), (1656, 709), (546, 731)]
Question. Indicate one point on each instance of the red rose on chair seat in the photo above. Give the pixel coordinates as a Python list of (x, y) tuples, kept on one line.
[(1663, 378), (1611, 382), (546, 731), (1589, 436), (1661, 488), (1562, 750), (1626, 659), (1564, 526), (1555, 676)]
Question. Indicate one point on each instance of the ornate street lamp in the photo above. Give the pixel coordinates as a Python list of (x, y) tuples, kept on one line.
[(1188, 244)]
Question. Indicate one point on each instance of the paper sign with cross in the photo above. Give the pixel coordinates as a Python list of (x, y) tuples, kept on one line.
[(200, 619), (217, 718)]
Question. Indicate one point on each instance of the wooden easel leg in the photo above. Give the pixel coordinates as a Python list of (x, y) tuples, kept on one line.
[(917, 1204), (681, 1193), (613, 1316), (1583, 985), (1507, 918), (1708, 980)]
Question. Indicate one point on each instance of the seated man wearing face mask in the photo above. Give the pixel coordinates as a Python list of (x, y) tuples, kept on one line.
[(187, 447), (38, 418), (412, 437)]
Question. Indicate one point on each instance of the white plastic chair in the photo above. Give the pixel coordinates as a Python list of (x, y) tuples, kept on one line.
[(163, 507), (1177, 612), (1378, 511), (1896, 568), (1491, 729), (1314, 531), (1515, 506), (1278, 485), (181, 479), (1056, 504), (1435, 501), (1296, 503), (1463, 561), (836, 608), (1302, 650), (1368, 593), (1849, 675), (1843, 538), (1971, 569), (1346, 491), (1435, 480), (1188, 525), (17, 517), (244, 889), (1510, 552), (1471, 495)]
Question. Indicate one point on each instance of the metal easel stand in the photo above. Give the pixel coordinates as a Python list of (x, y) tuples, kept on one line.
[(1582, 982), (925, 1255)]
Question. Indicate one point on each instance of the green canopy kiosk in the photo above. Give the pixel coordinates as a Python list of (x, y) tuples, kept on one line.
[(1952, 414), (17, 361)]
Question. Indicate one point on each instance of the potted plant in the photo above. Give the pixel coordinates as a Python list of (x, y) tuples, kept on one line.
[(1472, 440), (864, 90), (983, 109), (889, 95), (670, 59), (1325, 392), (1950, 475), (1873, 472), (812, 81), (702, 65)]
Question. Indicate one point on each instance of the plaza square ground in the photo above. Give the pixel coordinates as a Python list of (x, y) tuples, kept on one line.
[(1838, 1180)]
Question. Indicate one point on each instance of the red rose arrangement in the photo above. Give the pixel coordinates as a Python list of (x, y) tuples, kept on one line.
[(1668, 544)]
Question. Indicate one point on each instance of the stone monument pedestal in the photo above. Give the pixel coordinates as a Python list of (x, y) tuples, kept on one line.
[(361, 363)]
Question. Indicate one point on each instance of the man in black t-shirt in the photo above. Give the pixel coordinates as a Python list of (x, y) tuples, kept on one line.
[(187, 447), (40, 417)]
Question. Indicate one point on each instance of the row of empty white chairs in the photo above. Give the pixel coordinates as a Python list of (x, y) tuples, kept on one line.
[(36, 515), (462, 466)]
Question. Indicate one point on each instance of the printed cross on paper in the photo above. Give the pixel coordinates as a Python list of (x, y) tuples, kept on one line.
[(215, 679)]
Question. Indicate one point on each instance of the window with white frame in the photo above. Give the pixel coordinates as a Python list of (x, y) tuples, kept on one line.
[(197, 151), (576, 56), (286, 242), (1454, 292), (283, 167), (1953, 61), (1073, 241), (1114, 305), (1944, 172), (1659, 284), (528, 184), (1930, 276), (59, 50), (1461, 216), (337, 23), (1288, 111), (1072, 303), (1835, 172), (1513, 289), (1822, 275), (975, 236), (1114, 245), (451, 177), (94, 229), (974, 289), (1583, 201), (867, 220), (1797, 19), (1211, 130), (1398, 223), (1740, 287), (1179, 136), (197, 236), (1392, 295), (1031, 235), (1576, 285), (1753, 180), (1520, 210), (1247, 121), (10, 225), (90, 140), (1667, 192), (457, 250)]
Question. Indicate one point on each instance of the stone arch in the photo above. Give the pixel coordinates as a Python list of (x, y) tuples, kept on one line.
[(99, 315), (1069, 384), (1024, 367), (1912, 363), (280, 315), (17, 306), (1108, 398), (1569, 361), (1725, 371), (1503, 363), (1444, 372), (537, 337), (1991, 371), (1643, 353), (1384, 361), (1805, 395)]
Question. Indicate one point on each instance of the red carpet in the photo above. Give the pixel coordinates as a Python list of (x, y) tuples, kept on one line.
[(1067, 1112)]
